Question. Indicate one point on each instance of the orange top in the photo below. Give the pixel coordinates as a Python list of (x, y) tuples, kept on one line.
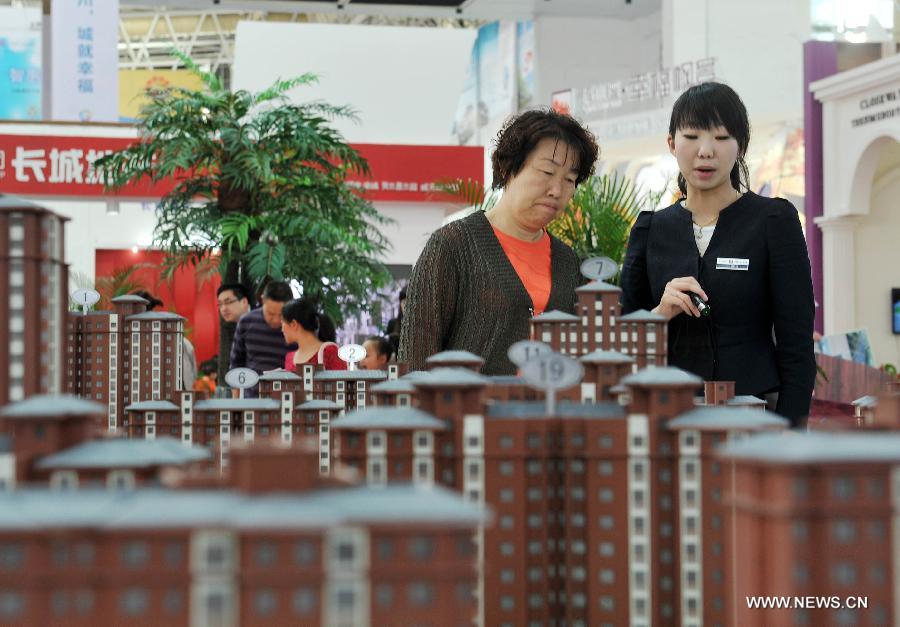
[(532, 263)]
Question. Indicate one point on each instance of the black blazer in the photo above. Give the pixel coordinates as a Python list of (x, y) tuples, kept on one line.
[(759, 333)]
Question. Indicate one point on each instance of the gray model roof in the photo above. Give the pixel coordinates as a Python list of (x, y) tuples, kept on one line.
[(351, 375), (320, 403), (451, 377), (8, 201), (279, 375), (506, 379), (721, 418), (237, 404), (662, 375), (606, 357), (415, 375), (156, 508), (642, 315), (399, 386), (792, 447), (454, 356), (564, 409), (555, 316), (122, 453), (153, 406), (746, 400), (155, 315), (866, 401), (130, 298), (52, 406), (388, 418), (598, 286)]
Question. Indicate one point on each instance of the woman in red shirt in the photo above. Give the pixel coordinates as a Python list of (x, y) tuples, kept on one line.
[(314, 334)]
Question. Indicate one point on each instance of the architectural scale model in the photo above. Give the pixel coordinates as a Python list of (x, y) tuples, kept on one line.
[(640, 495)]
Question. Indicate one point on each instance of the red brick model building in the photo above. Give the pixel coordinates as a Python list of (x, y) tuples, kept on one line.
[(814, 518), (125, 356), (702, 480), (34, 284), (603, 513), (274, 545)]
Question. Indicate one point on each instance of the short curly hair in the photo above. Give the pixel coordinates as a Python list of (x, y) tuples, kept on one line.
[(523, 132)]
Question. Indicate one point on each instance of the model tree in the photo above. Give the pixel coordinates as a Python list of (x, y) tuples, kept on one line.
[(260, 189)]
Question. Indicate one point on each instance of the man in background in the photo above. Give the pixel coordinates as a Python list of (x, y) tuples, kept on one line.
[(233, 301), (258, 342)]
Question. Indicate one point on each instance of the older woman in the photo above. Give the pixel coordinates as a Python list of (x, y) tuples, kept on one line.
[(479, 280)]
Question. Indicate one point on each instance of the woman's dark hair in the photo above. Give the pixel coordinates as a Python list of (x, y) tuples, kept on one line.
[(522, 133), (706, 106), (383, 345), (304, 311)]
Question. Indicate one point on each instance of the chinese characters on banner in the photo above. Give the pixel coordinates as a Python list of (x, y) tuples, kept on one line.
[(43, 165), (660, 84), (84, 81)]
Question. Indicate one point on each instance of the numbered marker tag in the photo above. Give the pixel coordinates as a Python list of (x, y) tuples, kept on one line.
[(526, 350), (241, 378), (599, 268), (85, 298), (552, 371), (352, 353)]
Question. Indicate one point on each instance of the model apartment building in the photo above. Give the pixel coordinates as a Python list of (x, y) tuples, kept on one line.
[(115, 531)]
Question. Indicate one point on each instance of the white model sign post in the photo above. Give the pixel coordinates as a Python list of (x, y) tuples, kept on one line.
[(242, 379)]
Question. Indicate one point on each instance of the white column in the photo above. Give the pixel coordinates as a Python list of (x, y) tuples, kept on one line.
[(324, 443), (346, 571), (287, 416), (187, 418), (135, 361), (639, 470), (838, 272), (895, 532), (689, 455), (113, 357), (473, 490)]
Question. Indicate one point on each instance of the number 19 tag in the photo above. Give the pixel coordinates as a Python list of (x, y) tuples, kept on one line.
[(551, 372)]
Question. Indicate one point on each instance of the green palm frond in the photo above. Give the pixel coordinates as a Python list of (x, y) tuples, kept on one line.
[(600, 215), (469, 192), (260, 191)]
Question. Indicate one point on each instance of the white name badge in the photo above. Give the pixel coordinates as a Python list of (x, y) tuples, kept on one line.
[(732, 263)]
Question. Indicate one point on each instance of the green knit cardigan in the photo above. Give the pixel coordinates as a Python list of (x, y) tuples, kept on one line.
[(464, 294)]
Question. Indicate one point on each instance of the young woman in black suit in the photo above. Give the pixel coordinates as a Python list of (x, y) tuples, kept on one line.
[(744, 255)]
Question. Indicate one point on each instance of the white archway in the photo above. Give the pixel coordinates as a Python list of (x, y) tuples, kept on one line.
[(860, 117)]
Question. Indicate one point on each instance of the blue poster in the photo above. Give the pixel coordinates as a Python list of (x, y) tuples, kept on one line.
[(20, 64)]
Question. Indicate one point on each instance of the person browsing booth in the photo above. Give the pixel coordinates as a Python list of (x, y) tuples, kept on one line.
[(479, 280)]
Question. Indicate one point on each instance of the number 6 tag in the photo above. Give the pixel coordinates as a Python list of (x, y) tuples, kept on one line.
[(241, 378)]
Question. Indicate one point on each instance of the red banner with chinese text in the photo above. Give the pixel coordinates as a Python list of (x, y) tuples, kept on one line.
[(47, 165)]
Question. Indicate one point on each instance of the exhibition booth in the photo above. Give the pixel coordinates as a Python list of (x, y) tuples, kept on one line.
[(860, 222), (109, 233)]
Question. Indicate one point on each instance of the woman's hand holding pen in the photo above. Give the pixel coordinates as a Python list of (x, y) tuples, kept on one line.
[(676, 298)]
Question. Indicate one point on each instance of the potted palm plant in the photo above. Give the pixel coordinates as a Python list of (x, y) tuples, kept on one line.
[(599, 218), (260, 189)]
